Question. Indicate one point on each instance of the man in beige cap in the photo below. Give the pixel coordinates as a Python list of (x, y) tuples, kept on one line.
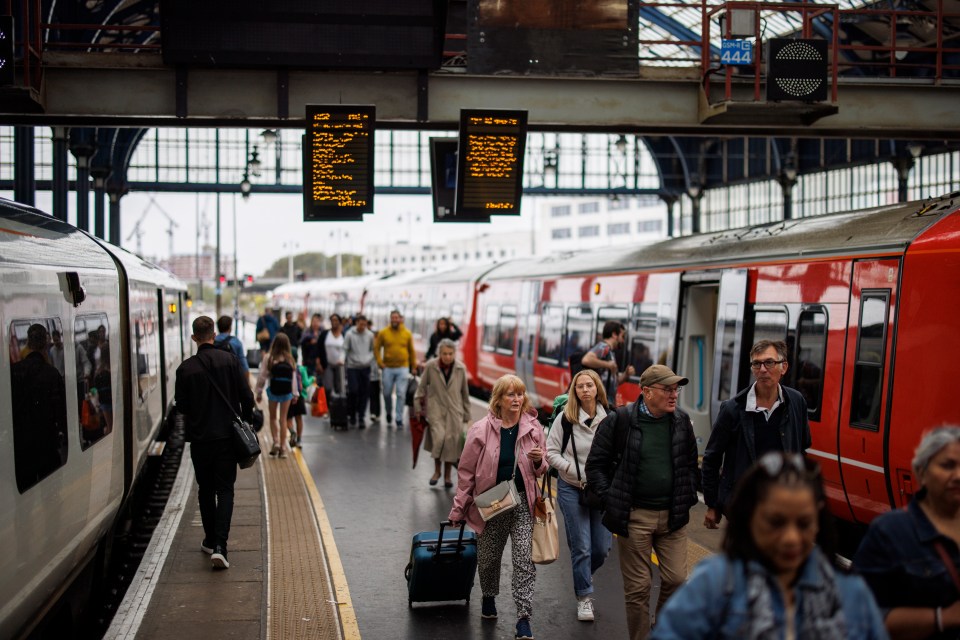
[(644, 463)]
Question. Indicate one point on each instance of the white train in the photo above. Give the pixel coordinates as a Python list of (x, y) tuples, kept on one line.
[(91, 339)]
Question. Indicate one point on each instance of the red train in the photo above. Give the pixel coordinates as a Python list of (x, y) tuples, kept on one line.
[(868, 303)]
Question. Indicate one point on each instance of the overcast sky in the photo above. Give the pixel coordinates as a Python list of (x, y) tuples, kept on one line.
[(265, 223)]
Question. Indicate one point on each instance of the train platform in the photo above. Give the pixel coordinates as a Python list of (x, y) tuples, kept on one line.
[(317, 549)]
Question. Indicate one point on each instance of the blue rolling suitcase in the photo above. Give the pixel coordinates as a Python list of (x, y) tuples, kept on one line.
[(445, 571)]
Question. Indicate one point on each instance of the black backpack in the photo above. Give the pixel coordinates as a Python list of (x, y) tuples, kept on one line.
[(575, 362), (281, 378)]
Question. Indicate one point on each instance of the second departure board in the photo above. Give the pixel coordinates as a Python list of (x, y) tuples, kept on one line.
[(490, 162), (338, 162)]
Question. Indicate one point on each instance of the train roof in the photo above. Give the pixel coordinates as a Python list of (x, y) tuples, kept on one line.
[(30, 237), (888, 228)]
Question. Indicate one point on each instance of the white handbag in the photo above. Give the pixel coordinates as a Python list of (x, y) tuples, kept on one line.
[(501, 498)]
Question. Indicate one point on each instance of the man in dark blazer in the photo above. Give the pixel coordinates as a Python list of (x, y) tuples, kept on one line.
[(763, 417), (209, 430)]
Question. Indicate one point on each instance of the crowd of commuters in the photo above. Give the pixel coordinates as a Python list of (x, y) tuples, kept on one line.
[(627, 470)]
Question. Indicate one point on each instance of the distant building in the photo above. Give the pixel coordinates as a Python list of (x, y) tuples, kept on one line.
[(561, 224), (192, 267), (483, 249)]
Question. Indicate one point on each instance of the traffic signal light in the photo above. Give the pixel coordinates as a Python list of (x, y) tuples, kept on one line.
[(6, 51), (248, 280), (223, 279)]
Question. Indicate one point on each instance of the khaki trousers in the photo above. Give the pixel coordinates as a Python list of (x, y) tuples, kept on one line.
[(648, 532)]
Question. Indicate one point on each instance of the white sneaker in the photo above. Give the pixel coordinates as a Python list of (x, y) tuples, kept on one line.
[(585, 610)]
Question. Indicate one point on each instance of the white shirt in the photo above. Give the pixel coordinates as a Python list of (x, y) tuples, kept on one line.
[(334, 346), (752, 402)]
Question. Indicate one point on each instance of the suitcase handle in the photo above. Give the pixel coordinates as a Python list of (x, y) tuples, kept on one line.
[(448, 523)]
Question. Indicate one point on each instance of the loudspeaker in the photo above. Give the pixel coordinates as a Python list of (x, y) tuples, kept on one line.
[(796, 70)]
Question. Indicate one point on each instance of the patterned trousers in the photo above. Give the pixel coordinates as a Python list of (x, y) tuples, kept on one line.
[(490, 545)]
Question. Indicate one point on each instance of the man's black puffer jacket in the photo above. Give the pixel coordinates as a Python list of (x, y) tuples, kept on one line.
[(614, 481)]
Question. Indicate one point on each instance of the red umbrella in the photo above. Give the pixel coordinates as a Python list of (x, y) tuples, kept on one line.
[(418, 425)]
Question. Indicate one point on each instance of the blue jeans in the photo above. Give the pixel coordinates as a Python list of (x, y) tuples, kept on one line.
[(588, 539), (395, 377)]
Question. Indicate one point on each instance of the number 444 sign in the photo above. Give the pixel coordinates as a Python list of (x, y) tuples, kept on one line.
[(736, 52)]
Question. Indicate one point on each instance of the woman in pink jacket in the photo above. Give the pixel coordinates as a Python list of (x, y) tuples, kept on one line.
[(508, 435)]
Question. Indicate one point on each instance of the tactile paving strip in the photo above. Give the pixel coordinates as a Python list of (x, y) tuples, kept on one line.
[(301, 602)]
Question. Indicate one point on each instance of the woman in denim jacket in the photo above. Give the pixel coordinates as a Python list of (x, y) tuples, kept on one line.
[(509, 435), (776, 578), (901, 557)]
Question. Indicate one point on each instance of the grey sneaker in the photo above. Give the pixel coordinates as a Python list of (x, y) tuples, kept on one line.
[(585, 610)]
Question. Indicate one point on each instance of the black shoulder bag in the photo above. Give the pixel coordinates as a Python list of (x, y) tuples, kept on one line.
[(245, 443)]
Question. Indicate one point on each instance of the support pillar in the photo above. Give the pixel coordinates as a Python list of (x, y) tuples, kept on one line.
[(787, 180), (24, 179), (903, 165), (115, 217), (696, 197), (83, 149), (671, 201), (99, 192), (61, 185)]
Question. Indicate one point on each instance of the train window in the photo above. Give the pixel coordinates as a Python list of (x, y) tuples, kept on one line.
[(868, 368), (579, 330), (769, 325), (643, 335), (38, 399), (728, 341), (607, 314), (145, 338), (550, 343), (665, 335), (508, 329), (810, 359), (94, 379), (490, 319)]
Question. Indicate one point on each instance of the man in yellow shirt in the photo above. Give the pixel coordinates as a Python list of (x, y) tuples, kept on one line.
[(393, 348)]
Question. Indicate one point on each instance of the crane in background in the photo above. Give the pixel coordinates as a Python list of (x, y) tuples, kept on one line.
[(138, 229)]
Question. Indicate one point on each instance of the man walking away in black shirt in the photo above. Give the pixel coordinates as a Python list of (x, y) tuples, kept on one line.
[(209, 430)]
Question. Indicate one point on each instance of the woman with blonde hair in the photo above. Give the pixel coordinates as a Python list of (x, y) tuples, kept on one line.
[(568, 444), (283, 388), (507, 443)]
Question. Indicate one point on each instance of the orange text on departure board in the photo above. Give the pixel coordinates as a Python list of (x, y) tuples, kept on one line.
[(339, 158)]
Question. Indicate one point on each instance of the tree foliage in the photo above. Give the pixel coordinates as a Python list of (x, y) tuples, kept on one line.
[(316, 265)]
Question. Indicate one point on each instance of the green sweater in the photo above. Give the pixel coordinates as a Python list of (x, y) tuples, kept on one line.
[(653, 486)]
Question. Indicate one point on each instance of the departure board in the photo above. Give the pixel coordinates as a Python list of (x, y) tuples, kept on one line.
[(490, 162), (338, 162)]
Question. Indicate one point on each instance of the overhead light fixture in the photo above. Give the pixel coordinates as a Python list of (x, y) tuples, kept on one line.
[(269, 136), (621, 144), (253, 164), (245, 186), (550, 162), (915, 149)]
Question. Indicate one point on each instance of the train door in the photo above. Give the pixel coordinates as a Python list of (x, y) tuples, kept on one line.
[(710, 337), (527, 320), (866, 386)]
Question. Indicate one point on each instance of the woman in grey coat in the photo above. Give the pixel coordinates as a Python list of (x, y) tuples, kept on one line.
[(443, 389)]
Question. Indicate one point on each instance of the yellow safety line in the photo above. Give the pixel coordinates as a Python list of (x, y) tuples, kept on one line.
[(348, 617)]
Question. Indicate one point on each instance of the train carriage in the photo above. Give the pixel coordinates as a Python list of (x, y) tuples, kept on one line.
[(866, 302), (76, 423)]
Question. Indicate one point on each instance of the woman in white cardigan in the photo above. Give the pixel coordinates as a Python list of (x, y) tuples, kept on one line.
[(588, 539)]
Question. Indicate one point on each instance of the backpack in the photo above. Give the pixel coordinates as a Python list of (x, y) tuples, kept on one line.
[(575, 362), (281, 378), (224, 345)]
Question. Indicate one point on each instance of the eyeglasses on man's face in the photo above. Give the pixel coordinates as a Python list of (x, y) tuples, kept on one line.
[(670, 391), (767, 364)]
